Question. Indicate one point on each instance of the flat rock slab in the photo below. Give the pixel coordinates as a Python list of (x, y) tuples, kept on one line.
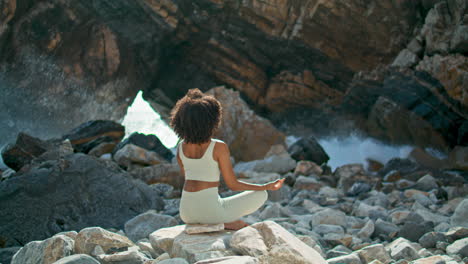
[(203, 228), (193, 248)]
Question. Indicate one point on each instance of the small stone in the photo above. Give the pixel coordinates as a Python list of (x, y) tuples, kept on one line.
[(305, 167), (405, 59), (77, 259), (274, 210), (426, 183), (385, 229), (329, 216), (404, 184), (307, 183), (230, 260), (424, 253), (146, 246), (132, 255), (352, 258), (415, 230), (174, 261), (460, 216), (398, 217), (392, 176), (367, 230), (374, 252), (442, 227), (422, 199), (402, 249), (430, 239), (411, 192), (365, 210), (442, 245), (323, 229), (162, 257)]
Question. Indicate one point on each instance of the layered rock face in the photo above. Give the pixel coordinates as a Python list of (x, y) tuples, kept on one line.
[(90, 59)]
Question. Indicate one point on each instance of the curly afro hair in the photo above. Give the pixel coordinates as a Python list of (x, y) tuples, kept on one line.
[(196, 116)]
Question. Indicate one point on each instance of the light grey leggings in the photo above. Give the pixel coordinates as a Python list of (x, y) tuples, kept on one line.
[(207, 207)]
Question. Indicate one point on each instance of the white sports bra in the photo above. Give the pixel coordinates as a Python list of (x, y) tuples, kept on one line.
[(202, 169)]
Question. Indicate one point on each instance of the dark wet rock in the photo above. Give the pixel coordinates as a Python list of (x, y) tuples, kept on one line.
[(23, 151), (429, 240), (403, 166), (399, 106), (459, 158), (385, 230), (426, 160), (414, 230), (148, 142), (93, 144), (308, 149), (93, 130), (74, 192), (392, 176)]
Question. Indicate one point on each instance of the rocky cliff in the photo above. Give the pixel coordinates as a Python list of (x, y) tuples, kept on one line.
[(332, 60)]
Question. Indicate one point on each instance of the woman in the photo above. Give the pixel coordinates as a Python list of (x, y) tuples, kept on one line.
[(201, 158)]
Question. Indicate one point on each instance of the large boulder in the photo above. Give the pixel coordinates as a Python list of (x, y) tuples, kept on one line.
[(71, 193), (405, 106), (242, 128), (271, 243), (90, 134), (308, 149), (23, 151)]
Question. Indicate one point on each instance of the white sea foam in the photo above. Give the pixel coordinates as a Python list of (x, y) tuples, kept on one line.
[(142, 118), (356, 149)]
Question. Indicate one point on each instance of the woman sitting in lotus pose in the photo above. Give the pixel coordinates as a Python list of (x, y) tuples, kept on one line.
[(202, 158)]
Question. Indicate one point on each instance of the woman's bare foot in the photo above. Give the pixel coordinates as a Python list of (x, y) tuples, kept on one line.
[(236, 225)]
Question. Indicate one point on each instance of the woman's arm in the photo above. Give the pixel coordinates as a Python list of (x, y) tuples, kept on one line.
[(224, 160), (181, 166)]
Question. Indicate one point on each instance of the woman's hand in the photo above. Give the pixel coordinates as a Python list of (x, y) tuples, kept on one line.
[(276, 185)]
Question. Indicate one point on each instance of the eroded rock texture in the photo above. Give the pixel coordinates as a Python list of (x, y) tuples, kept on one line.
[(64, 63)]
